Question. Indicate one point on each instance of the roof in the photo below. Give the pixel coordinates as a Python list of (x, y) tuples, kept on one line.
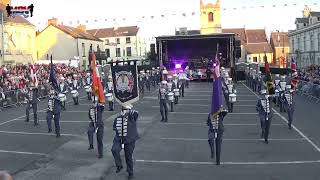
[(76, 33), (256, 36), (280, 39), (258, 48), (315, 13), (190, 32), (111, 32), (240, 33), (302, 20)]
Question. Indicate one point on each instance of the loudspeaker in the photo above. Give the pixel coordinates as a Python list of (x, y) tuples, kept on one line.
[(237, 48)]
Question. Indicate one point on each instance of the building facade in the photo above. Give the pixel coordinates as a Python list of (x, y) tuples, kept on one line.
[(65, 43), (122, 42), (305, 39), (280, 46), (19, 40), (210, 18)]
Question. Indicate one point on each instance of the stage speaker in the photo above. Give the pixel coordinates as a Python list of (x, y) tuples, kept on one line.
[(237, 48), (152, 49)]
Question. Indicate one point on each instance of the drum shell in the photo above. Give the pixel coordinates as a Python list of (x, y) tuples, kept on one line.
[(109, 97), (232, 98), (62, 97), (170, 96), (176, 92)]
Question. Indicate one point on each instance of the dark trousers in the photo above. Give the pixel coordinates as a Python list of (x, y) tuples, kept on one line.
[(215, 145), (290, 115), (164, 109), (266, 128), (182, 89), (176, 99), (128, 151), (34, 107), (148, 85), (76, 100), (89, 95), (230, 107), (91, 131), (111, 105), (56, 119), (187, 83)]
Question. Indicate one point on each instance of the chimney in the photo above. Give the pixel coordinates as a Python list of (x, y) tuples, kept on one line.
[(53, 21), (82, 27)]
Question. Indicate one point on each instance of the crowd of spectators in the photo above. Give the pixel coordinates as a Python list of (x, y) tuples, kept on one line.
[(310, 74), (14, 79)]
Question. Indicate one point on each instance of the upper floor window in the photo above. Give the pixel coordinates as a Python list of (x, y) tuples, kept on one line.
[(128, 40), (83, 50), (107, 41), (118, 40), (210, 17)]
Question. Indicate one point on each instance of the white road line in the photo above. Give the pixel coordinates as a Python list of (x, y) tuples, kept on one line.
[(294, 127), (232, 124), (227, 163), (230, 139), (21, 152), (32, 113), (195, 113), (30, 133), (235, 105)]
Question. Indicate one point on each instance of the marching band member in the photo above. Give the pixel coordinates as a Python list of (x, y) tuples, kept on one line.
[(182, 78), (289, 104), (170, 86), (141, 82), (277, 89), (163, 91), (215, 133), (74, 90), (153, 77), (283, 84), (187, 71), (88, 86), (125, 126), (96, 125), (110, 93), (148, 80), (265, 113), (32, 102), (259, 83), (176, 90), (53, 112), (63, 92), (164, 74)]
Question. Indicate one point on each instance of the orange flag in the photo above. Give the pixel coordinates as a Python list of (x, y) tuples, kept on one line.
[(97, 89)]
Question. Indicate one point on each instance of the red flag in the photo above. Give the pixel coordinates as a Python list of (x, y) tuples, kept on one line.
[(97, 89), (33, 75)]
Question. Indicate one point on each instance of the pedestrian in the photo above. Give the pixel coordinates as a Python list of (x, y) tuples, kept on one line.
[(162, 96), (109, 95), (32, 102), (289, 104), (263, 107), (125, 126)]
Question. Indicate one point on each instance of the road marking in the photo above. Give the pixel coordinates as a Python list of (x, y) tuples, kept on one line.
[(230, 139), (232, 124), (227, 163), (235, 105), (30, 133), (32, 113), (294, 127), (195, 113), (22, 152)]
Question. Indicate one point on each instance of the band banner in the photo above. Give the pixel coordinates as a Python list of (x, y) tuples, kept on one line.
[(125, 82)]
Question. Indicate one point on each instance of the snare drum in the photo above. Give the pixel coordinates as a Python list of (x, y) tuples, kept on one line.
[(88, 88), (62, 97), (176, 92), (232, 98), (170, 96), (74, 93), (109, 97)]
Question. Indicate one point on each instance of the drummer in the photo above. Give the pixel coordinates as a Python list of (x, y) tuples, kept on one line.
[(88, 86), (175, 85), (109, 89), (63, 92)]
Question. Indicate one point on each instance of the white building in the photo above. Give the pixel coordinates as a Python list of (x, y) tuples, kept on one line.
[(305, 39), (65, 43), (122, 42)]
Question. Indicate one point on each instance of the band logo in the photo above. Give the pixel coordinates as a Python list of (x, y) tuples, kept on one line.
[(25, 11)]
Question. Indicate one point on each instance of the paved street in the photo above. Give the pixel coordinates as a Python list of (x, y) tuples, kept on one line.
[(174, 150)]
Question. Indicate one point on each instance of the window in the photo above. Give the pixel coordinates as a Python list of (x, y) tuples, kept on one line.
[(255, 59), (292, 45), (204, 12), (107, 52), (318, 18), (107, 42), (128, 51), (304, 24), (128, 40), (299, 44), (311, 43), (83, 50), (118, 40), (210, 17), (118, 53), (304, 44)]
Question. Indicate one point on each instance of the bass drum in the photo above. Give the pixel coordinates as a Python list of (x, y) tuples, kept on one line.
[(62, 97)]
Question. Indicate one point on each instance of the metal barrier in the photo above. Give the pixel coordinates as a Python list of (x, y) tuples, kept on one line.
[(310, 90)]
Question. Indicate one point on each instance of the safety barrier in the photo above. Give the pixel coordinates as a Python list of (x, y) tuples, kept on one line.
[(309, 90)]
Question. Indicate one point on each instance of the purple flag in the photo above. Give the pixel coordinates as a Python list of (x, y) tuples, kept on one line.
[(217, 88)]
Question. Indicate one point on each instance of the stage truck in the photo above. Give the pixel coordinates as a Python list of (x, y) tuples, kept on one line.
[(196, 51)]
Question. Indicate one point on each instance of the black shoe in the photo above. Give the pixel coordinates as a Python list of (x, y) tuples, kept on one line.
[(290, 127), (90, 147), (166, 120), (50, 130), (100, 156), (58, 135), (218, 163), (27, 120), (130, 176), (162, 120), (266, 141), (119, 168), (36, 124)]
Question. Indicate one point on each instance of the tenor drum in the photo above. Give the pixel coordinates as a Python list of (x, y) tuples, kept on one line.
[(232, 98), (230, 88), (170, 96), (176, 92), (74, 93), (88, 88), (62, 97), (109, 97), (283, 85)]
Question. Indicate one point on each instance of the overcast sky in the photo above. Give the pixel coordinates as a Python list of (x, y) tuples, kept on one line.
[(248, 13)]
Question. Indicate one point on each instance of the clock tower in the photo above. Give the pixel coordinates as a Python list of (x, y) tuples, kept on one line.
[(210, 18)]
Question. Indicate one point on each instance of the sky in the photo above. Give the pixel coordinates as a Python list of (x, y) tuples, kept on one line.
[(108, 13)]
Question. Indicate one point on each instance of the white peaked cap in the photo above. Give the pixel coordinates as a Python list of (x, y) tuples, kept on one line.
[(175, 75), (164, 82), (153, 68), (263, 91), (277, 75), (62, 78), (288, 86), (127, 106), (222, 68), (88, 74), (169, 77), (229, 79), (254, 70)]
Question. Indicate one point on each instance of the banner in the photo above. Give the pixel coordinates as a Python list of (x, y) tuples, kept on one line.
[(125, 82)]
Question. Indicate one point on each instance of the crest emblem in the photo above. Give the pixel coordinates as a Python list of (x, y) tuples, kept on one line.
[(124, 81)]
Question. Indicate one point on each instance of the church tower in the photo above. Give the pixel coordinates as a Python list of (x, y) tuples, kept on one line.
[(210, 18)]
